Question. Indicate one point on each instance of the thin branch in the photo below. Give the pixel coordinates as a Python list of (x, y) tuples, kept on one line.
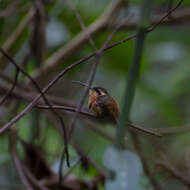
[(2, 101), (10, 80), (174, 171), (144, 130), (67, 108), (132, 126), (165, 17)]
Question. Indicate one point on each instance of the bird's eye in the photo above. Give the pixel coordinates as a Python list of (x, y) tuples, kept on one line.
[(97, 91)]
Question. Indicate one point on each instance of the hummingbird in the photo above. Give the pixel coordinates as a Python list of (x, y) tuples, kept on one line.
[(101, 104), (106, 108)]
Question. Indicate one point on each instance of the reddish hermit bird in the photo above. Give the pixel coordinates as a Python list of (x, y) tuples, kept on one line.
[(101, 104), (106, 107)]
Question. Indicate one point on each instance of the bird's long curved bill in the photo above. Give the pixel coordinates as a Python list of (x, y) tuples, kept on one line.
[(80, 83)]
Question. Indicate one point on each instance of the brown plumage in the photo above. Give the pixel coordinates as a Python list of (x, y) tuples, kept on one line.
[(103, 105)]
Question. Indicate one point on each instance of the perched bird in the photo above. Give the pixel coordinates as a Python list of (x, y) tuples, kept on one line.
[(101, 104), (105, 107)]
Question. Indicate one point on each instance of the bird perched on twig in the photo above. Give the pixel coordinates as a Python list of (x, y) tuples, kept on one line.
[(101, 104), (105, 107)]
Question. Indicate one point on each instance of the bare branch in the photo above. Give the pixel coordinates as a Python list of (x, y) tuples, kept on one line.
[(172, 170), (12, 88)]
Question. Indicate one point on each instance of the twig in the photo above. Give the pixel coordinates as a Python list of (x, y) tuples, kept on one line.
[(171, 169), (67, 108), (170, 4), (164, 17), (10, 80), (144, 130), (12, 88), (132, 126)]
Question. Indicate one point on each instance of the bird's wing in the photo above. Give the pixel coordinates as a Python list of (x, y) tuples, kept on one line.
[(109, 108)]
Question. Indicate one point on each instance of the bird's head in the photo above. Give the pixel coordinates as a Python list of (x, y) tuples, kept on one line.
[(98, 91)]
